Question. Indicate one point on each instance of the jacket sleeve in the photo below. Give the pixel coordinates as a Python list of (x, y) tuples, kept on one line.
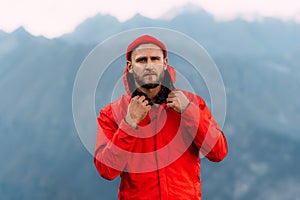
[(113, 145), (208, 137)]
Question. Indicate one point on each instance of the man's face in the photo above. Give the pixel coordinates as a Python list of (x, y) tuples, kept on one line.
[(147, 65)]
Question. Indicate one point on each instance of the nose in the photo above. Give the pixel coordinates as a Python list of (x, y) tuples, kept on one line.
[(149, 64)]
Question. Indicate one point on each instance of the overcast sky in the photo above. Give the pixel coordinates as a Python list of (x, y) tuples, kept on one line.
[(52, 18)]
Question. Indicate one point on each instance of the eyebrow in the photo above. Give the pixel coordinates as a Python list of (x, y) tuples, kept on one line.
[(140, 58), (145, 57)]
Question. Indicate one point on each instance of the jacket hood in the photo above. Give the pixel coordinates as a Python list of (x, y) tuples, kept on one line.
[(142, 40)]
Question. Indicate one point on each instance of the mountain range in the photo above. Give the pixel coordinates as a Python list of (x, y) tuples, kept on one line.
[(43, 157)]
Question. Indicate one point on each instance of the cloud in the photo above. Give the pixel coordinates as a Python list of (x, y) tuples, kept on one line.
[(55, 17)]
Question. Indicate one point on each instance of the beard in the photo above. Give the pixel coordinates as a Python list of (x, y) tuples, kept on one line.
[(148, 84)]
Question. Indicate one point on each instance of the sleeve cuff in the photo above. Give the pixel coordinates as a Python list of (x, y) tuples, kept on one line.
[(127, 129), (191, 114)]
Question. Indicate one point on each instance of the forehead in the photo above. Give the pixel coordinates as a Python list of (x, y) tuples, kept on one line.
[(147, 48)]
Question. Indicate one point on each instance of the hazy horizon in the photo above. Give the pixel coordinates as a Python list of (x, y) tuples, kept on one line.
[(54, 19)]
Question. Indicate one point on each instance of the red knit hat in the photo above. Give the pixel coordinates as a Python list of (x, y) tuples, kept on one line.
[(142, 40)]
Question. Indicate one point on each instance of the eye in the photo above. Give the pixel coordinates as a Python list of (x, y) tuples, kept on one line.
[(155, 58), (141, 60)]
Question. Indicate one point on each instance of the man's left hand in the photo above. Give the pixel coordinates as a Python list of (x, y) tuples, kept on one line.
[(178, 101)]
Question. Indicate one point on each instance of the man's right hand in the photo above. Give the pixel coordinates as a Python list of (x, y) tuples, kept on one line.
[(137, 110)]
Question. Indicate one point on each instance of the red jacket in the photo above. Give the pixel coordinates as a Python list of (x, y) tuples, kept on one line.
[(160, 159)]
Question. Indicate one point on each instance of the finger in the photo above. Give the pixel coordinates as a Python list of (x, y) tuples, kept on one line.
[(171, 94), (141, 99), (135, 97), (148, 107), (177, 92), (145, 102), (171, 99), (171, 105)]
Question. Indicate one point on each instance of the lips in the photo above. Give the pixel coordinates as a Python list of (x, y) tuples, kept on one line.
[(150, 74)]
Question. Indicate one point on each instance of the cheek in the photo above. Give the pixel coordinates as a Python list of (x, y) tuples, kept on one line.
[(161, 73), (138, 71)]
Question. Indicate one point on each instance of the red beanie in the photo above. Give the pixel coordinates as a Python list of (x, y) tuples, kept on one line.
[(142, 40)]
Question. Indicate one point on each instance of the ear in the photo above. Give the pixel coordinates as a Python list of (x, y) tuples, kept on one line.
[(129, 66), (165, 63)]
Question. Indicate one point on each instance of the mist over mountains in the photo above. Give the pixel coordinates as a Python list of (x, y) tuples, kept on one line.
[(43, 157)]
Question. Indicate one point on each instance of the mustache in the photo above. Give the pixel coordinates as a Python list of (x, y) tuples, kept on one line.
[(149, 73)]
